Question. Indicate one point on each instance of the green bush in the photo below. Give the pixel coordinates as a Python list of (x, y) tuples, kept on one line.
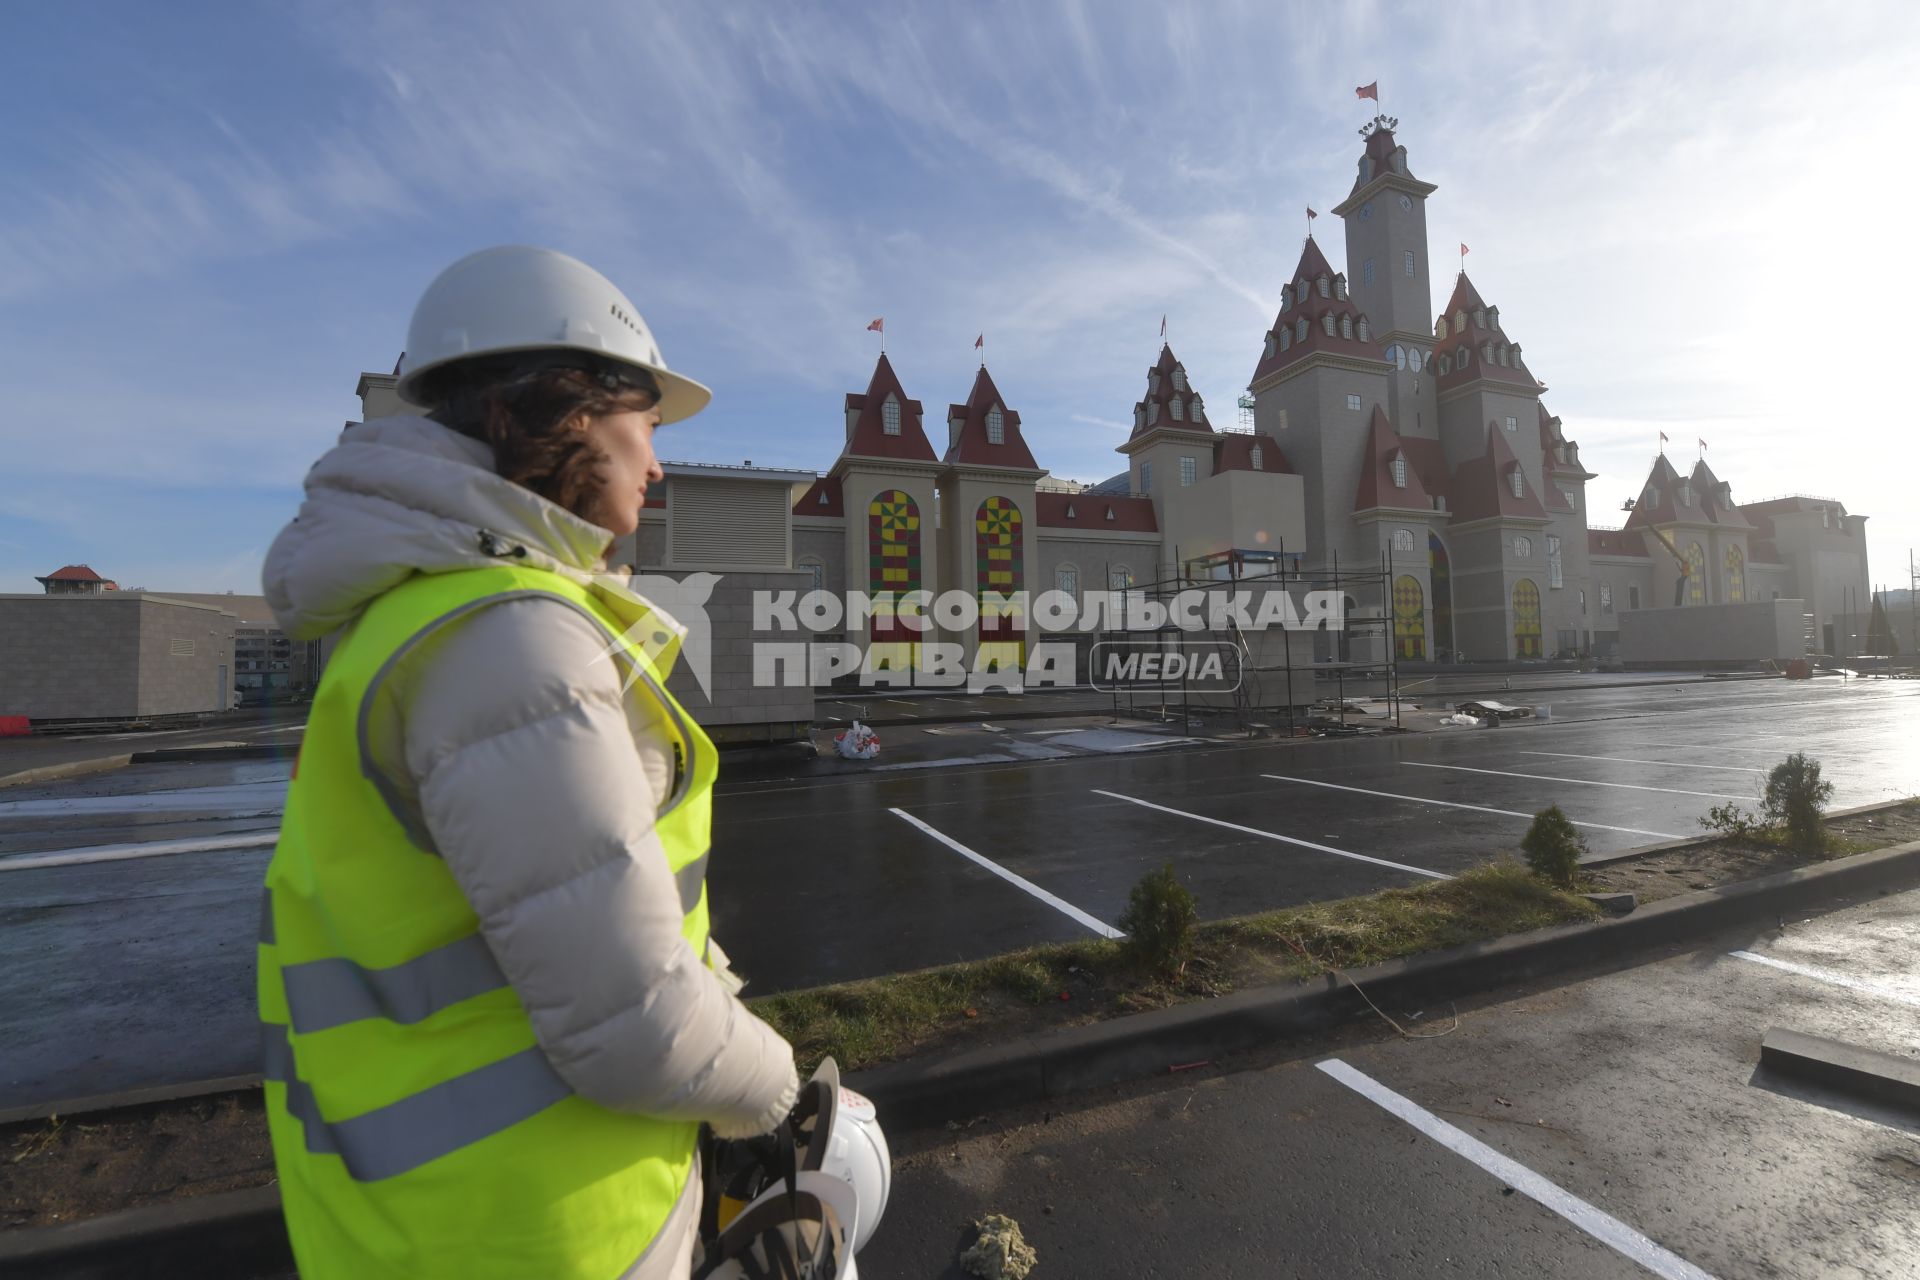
[(1159, 923), (1794, 801), (1554, 848), (1735, 823)]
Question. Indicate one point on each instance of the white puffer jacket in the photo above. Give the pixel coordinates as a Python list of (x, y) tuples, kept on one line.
[(516, 708)]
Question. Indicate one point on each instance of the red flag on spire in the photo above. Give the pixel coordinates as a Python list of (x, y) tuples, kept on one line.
[(1663, 437), (1463, 249), (1703, 445), (980, 343), (878, 326), (1368, 91), (1163, 326), (1311, 214)]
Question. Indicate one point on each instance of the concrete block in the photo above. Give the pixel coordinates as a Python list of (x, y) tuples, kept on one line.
[(1863, 1073)]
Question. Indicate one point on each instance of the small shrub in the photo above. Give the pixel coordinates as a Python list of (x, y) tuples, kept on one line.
[(1733, 822), (1554, 848), (1159, 923), (1794, 801)]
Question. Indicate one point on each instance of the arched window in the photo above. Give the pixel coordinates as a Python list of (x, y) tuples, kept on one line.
[(816, 572), (1119, 578), (1696, 574), (1522, 547), (1519, 483), (1066, 579), (1326, 322), (890, 417), (1326, 289), (1440, 327), (1346, 327), (1403, 539), (1486, 352), (1460, 321), (996, 426), (1395, 357), (1178, 413)]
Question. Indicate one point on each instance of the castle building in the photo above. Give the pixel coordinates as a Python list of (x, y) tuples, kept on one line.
[(1383, 435)]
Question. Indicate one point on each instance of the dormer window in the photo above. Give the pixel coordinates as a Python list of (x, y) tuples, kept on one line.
[(1686, 493), (823, 498), (1139, 416), (1340, 288), (996, 426), (1070, 512), (1196, 410), (1486, 352), (1399, 471), (1503, 354), (1519, 483), (890, 417), (1153, 412), (1153, 382), (1366, 168), (1286, 340), (1178, 413), (1256, 458), (1493, 316), (1651, 496), (1479, 319), (1326, 288), (1459, 320), (1179, 378), (1300, 329), (1346, 327), (1270, 344), (1440, 327), (1109, 513), (1286, 297), (1326, 322), (1361, 329), (1446, 366), (1463, 357), (1400, 160)]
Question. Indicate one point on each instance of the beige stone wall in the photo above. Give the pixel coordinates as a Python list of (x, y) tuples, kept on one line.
[(740, 709), (112, 657)]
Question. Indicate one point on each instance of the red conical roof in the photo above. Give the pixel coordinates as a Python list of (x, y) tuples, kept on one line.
[(971, 446), (1288, 342), (1483, 487), (870, 438), (1377, 488), (1469, 338), (1156, 409)]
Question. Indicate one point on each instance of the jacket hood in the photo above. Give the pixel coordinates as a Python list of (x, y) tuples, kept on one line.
[(405, 495)]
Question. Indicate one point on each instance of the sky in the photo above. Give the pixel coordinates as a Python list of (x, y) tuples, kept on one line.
[(1696, 218)]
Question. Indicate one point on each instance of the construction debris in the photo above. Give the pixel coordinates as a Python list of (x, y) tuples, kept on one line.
[(1001, 1253)]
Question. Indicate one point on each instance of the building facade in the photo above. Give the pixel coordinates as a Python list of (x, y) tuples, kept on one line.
[(1382, 435)]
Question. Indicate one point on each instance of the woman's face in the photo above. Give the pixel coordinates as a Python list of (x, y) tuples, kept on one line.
[(626, 440)]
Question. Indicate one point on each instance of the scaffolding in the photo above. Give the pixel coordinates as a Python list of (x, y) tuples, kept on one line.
[(1290, 680)]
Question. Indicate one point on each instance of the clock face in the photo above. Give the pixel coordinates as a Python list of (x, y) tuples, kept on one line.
[(1366, 210), (1406, 203)]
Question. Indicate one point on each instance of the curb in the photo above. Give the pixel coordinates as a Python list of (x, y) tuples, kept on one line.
[(1864, 1073), (71, 769), (177, 755), (129, 1098), (1707, 837), (1055, 1064), (240, 1233)]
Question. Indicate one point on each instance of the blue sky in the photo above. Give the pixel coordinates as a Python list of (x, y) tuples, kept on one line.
[(1695, 219)]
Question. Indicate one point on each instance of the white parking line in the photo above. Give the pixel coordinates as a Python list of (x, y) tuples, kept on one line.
[(1477, 808), (1828, 975), (128, 852), (1584, 782), (1597, 1223), (1104, 930), (1268, 835), (1671, 764)]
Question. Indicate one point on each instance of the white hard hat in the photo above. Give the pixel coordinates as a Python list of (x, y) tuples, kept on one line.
[(517, 298), (837, 1131)]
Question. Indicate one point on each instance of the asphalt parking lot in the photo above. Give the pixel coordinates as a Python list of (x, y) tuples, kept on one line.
[(128, 970), (1608, 1126)]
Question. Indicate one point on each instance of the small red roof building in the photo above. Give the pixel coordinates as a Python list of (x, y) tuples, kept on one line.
[(984, 432)]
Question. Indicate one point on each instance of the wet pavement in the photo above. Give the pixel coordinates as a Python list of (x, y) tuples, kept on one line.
[(128, 972), (1602, 1126)]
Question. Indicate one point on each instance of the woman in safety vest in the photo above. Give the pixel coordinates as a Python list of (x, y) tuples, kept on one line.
[(492, 1017)]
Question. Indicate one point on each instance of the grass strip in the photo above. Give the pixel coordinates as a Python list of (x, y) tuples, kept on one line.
[(880, 1020)]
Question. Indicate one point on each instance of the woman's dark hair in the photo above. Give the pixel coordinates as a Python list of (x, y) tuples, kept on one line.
[(527, 415)]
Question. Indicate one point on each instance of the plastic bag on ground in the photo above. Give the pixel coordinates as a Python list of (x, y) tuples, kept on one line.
[(857, 742)]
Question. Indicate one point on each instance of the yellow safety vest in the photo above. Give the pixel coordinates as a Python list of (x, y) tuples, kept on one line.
[(418, 1129)]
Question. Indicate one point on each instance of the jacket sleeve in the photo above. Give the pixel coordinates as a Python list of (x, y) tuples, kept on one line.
[(518, 745)]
